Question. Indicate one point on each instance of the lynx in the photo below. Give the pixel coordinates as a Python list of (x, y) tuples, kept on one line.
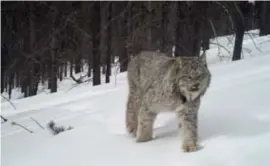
[(159, 83)]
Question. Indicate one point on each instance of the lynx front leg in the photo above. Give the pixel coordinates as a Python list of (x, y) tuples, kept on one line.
[(132, 114), (188, 121), (146, 121)]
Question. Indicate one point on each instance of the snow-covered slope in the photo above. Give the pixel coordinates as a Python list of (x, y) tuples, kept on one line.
[(234, 123)]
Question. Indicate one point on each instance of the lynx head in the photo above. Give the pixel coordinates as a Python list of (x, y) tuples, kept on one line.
[(194, 77)]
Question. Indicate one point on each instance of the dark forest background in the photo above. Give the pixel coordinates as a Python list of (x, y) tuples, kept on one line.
[(44, 42)]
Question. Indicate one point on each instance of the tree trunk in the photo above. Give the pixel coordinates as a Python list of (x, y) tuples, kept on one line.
[(172, 26), (71, 67), (207, 30), (60, 72), (108, 59), (240, 28), (78, 63), (10, 84), (96, 42), (54, 66), (164, 33), (149, 27), (35, 70), (121, 35), (265, 18), (53, 79), (4, 64), (65, 68), (189, 29), (103, 35)]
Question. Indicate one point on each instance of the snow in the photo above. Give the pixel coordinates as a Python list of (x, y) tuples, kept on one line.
[(234, 121)]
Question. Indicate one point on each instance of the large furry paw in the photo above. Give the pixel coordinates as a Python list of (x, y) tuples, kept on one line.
[(189, 146), (143, 139), (132, 130)]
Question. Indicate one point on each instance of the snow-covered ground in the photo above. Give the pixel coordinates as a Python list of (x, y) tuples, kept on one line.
[(234, 121)]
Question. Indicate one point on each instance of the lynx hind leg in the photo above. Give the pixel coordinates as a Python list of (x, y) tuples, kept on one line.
[(146, 121), (132, 113), (188, 121)]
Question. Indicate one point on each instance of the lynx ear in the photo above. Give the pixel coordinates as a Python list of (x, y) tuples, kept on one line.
[(203, 57)]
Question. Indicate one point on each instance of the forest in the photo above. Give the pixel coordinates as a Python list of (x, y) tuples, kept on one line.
[(43, 42)]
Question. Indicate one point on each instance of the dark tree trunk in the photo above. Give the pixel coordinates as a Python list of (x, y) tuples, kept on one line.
[(10, 84), (172, 26), (96, 42), (65, 69), (149, 27), (60, 72), (103, 35), (240, 29), (35, 70), (129, 27), (54, 66), (121, 36), (89, 61), (163, 26), (49, 69), (71, 67), (53, 60), (189, 33), (78, 63), (265, 18), (4, 63), (2, 81), (108, 58), (207, 30)]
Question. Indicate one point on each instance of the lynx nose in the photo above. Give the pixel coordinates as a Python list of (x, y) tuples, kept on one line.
[(195, 87)]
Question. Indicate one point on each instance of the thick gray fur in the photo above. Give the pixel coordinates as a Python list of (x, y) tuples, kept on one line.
[(160, 83)]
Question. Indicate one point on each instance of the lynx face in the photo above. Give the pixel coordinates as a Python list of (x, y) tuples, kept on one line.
[(195, 79)]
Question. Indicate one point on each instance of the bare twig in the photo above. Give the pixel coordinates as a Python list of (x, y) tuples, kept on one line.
[(227, 11), (242, 18), (9, 101), (16, 124), (37, 123), (78, 81), (4, 119), (247, 50), (215, 35), (254, 42), (230, 41), (222, 47), (90, 79)]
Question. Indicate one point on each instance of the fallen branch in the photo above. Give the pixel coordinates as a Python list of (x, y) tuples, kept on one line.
[(222, 47), (9, 101), (4, 119), (254, 43), (90, 79), (215, 35), (25, 128), (230, 41), (37, 123), (78, 81)]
